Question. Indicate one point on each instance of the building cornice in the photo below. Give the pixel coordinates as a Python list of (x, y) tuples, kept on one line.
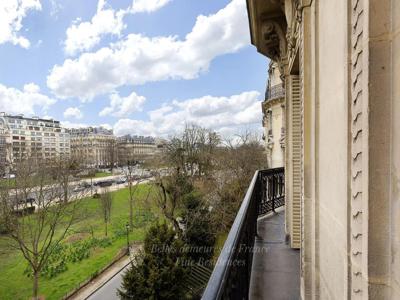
[(267, 104), (268, 29)]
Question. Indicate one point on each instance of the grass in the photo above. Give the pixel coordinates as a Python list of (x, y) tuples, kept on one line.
[(102, 174), (219, 244), (7, 182), (98, 175), (15, 285)]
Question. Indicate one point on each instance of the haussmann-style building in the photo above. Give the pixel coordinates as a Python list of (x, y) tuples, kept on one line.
[(94, 146), (329, 221), (273, 108), (133, 147)]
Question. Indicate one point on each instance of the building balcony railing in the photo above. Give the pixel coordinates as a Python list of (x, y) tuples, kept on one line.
[(274, 92), (231, 276)]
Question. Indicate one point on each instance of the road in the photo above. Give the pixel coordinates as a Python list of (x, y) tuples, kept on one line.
[(109, 290), (73, 194)]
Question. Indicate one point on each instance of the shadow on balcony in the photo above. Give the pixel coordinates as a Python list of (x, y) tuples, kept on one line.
[(256, 261)]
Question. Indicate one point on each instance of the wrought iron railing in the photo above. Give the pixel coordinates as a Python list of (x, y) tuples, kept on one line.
[(231, 276), (275, 91)]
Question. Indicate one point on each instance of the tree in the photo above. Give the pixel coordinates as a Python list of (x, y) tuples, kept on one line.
[(235, 163), (111, 153), (170, 193), (69, 168), (157, 272), (133, 180), (37, 235), (199, 233), (191, 152), (106, 199)]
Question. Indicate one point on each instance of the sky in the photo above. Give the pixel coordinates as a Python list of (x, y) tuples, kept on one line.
[(144, 67)]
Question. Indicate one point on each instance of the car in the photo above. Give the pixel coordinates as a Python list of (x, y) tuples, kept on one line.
[(85, 185), (26, 201), (105, 183), (9, 176), (121, 180)]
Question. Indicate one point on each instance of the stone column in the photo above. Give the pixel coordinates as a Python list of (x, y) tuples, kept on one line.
[(310, 211)]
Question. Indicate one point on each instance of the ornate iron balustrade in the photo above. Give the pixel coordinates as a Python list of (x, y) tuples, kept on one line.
[(276, 91), (272, 189), (231, 276)]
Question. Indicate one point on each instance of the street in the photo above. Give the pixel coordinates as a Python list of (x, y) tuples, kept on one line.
[(109, 290)]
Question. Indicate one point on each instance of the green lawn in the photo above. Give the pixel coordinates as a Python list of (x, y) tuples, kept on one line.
[(102, 174), (7, 182), (15, 285), (219, 244)]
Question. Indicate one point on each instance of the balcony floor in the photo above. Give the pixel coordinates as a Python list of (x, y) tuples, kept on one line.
[(276, 267)]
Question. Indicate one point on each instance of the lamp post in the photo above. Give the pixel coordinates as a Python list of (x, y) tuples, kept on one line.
[(127, 238)]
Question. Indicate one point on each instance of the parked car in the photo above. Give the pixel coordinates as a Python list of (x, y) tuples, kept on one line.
[(26, 201), (121, 180), (105, 183), (85, 185), (11, 176)]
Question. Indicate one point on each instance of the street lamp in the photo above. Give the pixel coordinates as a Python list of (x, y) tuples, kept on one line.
[(127, 237)]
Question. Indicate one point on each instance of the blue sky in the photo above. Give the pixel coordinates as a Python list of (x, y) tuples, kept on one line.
[(138, 66)]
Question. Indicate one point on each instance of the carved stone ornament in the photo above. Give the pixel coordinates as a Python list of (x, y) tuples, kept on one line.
[(274, 40)]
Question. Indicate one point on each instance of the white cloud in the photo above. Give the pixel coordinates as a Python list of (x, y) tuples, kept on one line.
[(147, 5), (12, 12), (68, 124), (15, 101), (106, 126), (83, 36), (55, 8), (123, 106), (138, 59), (73, 112), (224, 114)]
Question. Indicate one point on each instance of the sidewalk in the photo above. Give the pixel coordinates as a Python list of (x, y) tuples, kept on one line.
[(101, 281)]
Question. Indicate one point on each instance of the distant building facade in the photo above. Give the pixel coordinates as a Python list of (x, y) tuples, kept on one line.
[(133, 147), (274, 118), (31, 138), (94, 146)]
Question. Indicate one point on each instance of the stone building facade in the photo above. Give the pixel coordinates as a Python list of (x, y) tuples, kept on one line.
[(273, 109), (31, 138), (135, 147), (340, 63), (94, 146)]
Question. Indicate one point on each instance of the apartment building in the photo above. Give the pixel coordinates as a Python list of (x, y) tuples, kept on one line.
[(273, 108), (336, 234), (94, 146), (31, 137), (135, 147)]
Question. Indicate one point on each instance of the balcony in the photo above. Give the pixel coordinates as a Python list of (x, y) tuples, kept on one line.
[(274, 92), (256, 261)]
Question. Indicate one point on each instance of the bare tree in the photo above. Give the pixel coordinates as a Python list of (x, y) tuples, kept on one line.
[(191, 152), (106, 199), (235, 164), (133, 176), (111, 153), (69, 169), (37, 235), (170, 192)]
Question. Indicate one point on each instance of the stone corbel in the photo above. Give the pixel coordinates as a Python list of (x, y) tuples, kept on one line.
[(274, 40)]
